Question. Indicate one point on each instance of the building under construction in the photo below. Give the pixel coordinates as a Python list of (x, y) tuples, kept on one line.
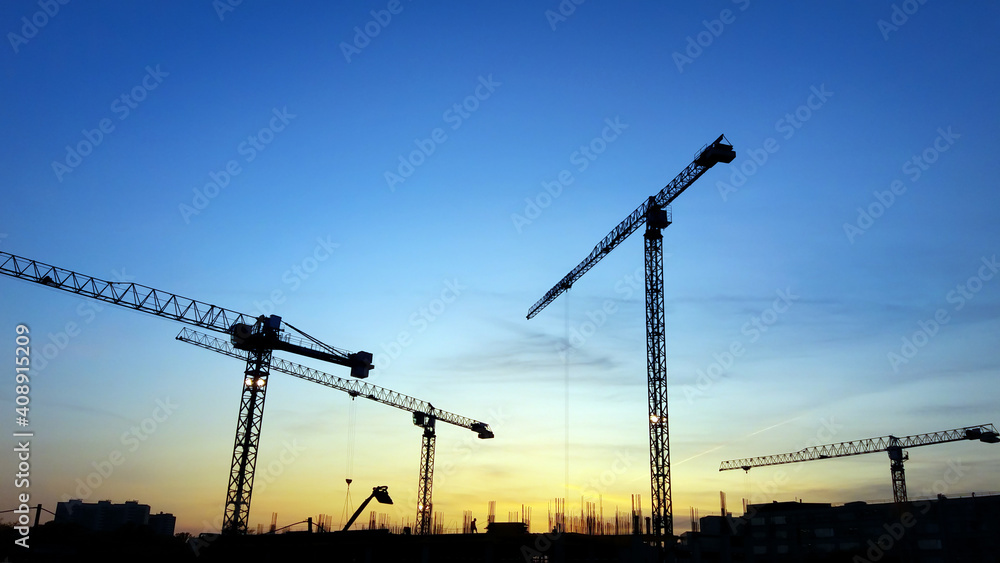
[(941, 530)]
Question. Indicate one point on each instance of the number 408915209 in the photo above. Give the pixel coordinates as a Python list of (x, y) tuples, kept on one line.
[(22, 359)]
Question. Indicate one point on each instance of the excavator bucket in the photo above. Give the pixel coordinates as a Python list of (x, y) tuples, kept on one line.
[(381, 494)]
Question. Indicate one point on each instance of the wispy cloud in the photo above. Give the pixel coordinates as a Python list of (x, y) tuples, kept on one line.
[(527, 355), (772, 427)]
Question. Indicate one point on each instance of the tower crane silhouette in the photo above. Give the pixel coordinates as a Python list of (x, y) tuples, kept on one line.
[(891, 445), (258, 336), (425, 415), (655, 214)]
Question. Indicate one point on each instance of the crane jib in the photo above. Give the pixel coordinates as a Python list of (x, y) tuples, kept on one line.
[(175, 307), (708, 156), (241, 341), (205, 315), (986, 433), (125, 294)]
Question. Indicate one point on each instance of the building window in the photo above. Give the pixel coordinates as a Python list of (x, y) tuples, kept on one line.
[(848, 546), (929, 544)]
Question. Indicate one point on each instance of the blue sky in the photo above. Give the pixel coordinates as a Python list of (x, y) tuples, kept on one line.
[(246, 158)]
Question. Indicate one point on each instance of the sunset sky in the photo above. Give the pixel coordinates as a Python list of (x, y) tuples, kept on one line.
[(408, 178)]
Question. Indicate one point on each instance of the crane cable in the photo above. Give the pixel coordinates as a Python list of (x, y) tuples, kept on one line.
[(747, 486), (352, 419), (566, 377), (352, 425)]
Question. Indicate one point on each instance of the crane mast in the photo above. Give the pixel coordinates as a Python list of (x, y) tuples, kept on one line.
[(257, 335), (425, 481), (425, 415), (892, 445), (655, 213)]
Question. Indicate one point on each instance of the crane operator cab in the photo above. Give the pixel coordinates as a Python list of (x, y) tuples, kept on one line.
[(265, 334), (256, 336)]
